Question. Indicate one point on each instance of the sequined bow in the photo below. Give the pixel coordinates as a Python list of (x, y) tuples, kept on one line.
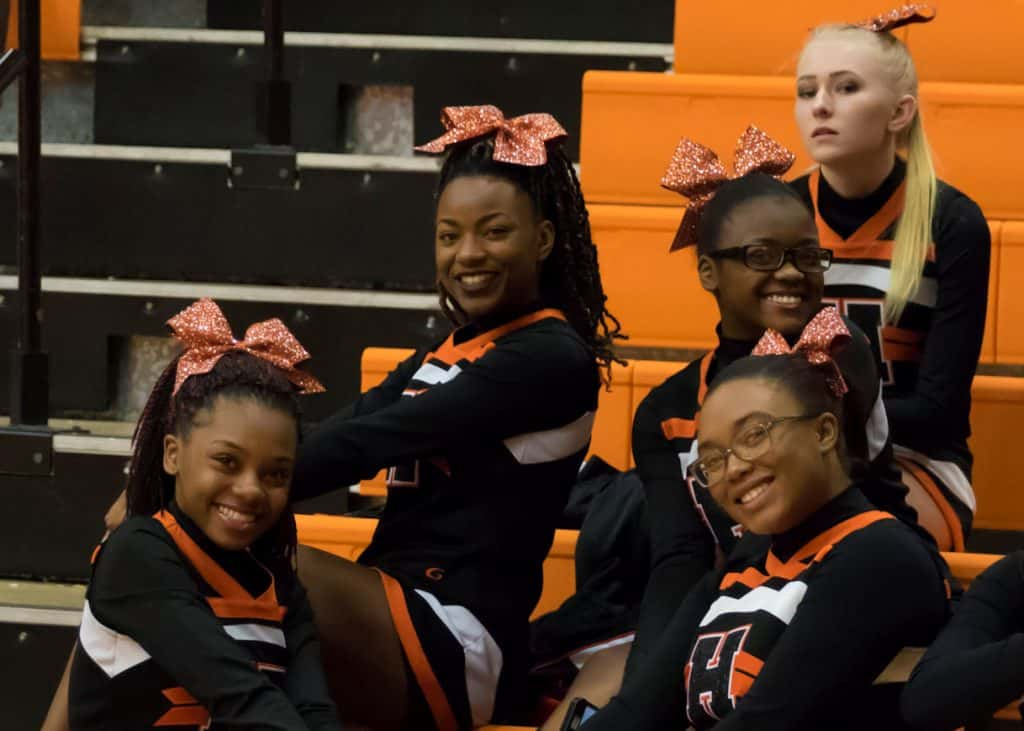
[(207, 336), (821, 337), (519, 141), (899, 17), (696, 172)]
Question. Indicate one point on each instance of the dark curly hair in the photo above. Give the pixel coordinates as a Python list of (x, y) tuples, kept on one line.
[(570, 279)]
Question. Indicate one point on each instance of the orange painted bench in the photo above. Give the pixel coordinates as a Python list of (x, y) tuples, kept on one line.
[(766, 39), (655, 296), (660, 303), (1010, 301), (996, 414), (759, 39), (990, 39), (60, 28), (348, 537), (715, 109)]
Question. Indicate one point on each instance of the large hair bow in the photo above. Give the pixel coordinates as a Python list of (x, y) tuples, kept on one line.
[(899, 17), (697, 172), (822, 336), (518, 141), (207, 337)]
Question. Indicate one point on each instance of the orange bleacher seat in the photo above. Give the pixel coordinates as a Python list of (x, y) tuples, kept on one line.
[(970, 41), (990, 342), (971, 127), (661, 108), (59, 32), (654, 294), (1010, 343), (763, 39), (647, 375), (967, 566), (997, 412), (348, 537), (611, 427), (375, 366), (614, 421)]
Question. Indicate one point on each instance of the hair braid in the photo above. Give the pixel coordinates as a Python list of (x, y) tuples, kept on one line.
[(236, 375), (570, 277)]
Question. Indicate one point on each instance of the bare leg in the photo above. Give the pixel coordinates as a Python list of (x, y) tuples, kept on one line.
[(361, 650), (598, 681), (57, 716)]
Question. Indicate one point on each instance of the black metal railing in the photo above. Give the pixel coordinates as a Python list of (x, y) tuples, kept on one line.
[(29, 363)]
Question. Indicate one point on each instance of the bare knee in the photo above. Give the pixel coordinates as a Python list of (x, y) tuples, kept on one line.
[(598, 681)]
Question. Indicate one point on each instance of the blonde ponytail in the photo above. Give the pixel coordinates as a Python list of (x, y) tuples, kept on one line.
[(913, 236)]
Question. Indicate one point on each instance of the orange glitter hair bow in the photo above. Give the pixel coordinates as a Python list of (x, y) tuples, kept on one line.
[(899, 17), (207, 337), (519, 141), (823, 335), (697, 173)]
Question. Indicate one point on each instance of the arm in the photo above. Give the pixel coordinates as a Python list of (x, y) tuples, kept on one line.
[(494, 397), (57, 717), (682, 550), (305, 684), (141, 588), (384, 393), (941, 401), (876, 592), (983, 644), (653, 697)]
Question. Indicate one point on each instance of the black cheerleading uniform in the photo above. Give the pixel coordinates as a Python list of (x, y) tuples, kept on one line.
[(976, 665), (793, 638), (180, 633), (485, 434), (927, 360), (686, 523)]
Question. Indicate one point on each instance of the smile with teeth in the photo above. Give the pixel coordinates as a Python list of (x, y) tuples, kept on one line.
[(475, 280), (787, 300), (752, 494), (236, 517)]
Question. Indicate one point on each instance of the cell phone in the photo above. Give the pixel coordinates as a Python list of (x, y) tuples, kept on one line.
[(580, 710)]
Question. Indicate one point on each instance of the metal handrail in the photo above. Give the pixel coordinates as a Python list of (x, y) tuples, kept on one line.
[(29, 364)]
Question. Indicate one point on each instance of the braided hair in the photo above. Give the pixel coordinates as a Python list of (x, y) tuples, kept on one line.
[(236, 375), (570, 279)]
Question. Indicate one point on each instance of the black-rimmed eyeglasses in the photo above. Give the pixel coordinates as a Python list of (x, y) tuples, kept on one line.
[(769, 258)]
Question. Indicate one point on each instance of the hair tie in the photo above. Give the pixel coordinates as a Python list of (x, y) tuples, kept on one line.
[(696, 172), (822, 336), (207, 337), (899, 17), (518, 141)]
